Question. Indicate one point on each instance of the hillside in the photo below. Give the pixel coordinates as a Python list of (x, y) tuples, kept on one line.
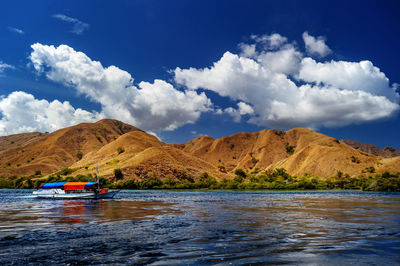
[(50, 152), (140, 155), (110, 144), (300, 151)]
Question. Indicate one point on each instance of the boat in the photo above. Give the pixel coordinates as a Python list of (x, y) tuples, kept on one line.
[(74, 190)]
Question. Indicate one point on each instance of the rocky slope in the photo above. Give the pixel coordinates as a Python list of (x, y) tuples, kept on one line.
[(387, 152)]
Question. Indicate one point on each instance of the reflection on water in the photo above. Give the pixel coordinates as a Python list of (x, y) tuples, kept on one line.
[(159, 227), (38, 213)]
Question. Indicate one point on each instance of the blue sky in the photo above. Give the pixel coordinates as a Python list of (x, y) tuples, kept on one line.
[(184, 68)]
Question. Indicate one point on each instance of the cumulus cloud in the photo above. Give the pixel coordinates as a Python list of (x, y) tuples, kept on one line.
[(16, 30), (315, 46), (354, 76), (78, 26), (286, 90), (151, 106), (21, 112)]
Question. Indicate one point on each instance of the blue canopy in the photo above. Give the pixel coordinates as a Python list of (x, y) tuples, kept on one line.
[(91, 184), (54, 185)]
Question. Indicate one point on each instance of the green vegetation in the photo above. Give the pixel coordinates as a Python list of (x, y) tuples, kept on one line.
[(79, 155), (277, 179), (113, 162), (337, 141), (66, 171), (289, 148), (118, 174), (119, 125), (99, 138), (120, 150), (354, 159)]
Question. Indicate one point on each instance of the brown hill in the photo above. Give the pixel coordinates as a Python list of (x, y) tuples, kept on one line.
[(110, 144), (144, 156), (50, 152), (386, 152), (300, 151)]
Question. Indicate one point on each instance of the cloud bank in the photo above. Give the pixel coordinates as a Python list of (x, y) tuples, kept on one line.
[(286, 89), (271, 82), (21, 112), (150, 106)]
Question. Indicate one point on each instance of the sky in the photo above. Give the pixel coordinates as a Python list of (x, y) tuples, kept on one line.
[(180, 69)]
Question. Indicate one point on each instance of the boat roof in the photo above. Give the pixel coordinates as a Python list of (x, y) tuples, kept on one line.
[(71, 185)]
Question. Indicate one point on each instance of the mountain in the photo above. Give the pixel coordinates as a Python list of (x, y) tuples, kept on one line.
[(140, 155), (386, 152), (27, 153), (111, 144), (300, 151)]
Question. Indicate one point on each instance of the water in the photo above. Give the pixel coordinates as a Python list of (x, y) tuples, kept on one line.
[(193, 227)]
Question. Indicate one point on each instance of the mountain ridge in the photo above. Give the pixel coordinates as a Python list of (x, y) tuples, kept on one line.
[(111, 144)]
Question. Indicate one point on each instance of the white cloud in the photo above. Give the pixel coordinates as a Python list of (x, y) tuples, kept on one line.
[(245, 109), (315, 46), (272, 41), (151, 107), (242, 109), (353, 76), (16, 30), (21, 112), (78, 26), (286, 60), (4, 66), (334, 94)]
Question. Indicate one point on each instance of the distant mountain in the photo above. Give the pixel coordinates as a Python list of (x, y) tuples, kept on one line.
[(386, 152), (111, 144)]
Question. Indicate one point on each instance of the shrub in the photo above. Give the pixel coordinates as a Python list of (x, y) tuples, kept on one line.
[(120, 150), (113, 161), (240, 172), (354, 159), (289, 148), (66, 171), (221, 168), (254, 160), (99, 138), (118, 174), (38, 172), (79, 154)]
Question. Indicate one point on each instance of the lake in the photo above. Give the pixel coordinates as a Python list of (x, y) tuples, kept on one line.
[(202, 227)]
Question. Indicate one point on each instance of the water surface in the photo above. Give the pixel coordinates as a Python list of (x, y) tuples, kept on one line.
[(202, 227)]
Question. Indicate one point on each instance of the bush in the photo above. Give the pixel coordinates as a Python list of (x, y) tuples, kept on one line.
[(120, 150), (79, 154), (99, 138), (38, 172), (240, 172), (118, 174), (66, 171), (289, 148)]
